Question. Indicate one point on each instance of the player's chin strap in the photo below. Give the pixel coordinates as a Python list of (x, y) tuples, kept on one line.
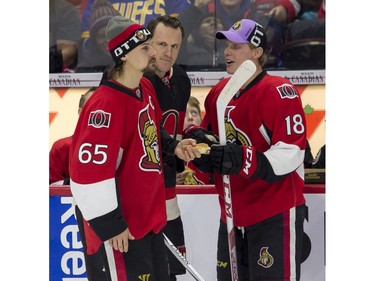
[(182, 259)]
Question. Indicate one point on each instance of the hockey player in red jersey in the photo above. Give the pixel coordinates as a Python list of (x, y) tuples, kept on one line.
[(115, 162), (266, 137)]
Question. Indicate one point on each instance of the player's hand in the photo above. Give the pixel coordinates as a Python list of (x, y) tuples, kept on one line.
[(278, 13), (184, 175), (227, 159), (121, 242), (200, 4), (180, 177), (186, 150)]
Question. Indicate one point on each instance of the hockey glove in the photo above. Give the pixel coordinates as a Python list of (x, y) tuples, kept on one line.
[(234, 159), (200, 135), (227, 159)]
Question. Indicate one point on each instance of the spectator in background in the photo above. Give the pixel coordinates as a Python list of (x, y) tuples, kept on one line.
[(309, 24), (172, 87), (64, 35), (138, 11), (273, 15), (202, 48), (310, 9), (304, 39), (59, 153), (193, 114), (94, 55), (199, 46), (192, 175), (77, 4)]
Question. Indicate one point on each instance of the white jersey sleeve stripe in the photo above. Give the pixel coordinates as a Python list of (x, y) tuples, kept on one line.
[(87, 197), (284, 158)]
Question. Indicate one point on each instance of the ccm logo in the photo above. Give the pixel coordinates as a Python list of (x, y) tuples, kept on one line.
[(248, 159)]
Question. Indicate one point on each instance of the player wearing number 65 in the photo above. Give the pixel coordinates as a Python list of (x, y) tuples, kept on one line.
[(265, 133), (115, 166)]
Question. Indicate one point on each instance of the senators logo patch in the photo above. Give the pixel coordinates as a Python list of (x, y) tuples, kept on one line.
[(265, 258), (287, 91), (233, 134), (141, 35), (148, 133), (99, 119), (236, 25)]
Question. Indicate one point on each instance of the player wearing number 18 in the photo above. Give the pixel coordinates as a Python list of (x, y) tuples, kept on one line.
[(265, 133)]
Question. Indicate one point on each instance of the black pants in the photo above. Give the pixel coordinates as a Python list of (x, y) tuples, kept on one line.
[(175, 232), (269, 251), (96, 264)]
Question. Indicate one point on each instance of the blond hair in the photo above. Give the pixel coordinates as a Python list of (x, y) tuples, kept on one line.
[(263, 58), (194, 102)]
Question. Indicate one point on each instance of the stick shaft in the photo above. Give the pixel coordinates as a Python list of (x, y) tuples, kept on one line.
[(182, 259)]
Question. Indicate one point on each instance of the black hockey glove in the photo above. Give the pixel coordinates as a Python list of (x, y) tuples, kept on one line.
[(227, 159), (200, 135)]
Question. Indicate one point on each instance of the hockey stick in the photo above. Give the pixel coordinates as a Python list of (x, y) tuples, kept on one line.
[(242, 74), (182, 259)]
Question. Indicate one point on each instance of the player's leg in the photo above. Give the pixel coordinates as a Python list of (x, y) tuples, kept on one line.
[(160, 257), (95, 263), (140, 258), (223, 262), (175, 232), (275, 246)]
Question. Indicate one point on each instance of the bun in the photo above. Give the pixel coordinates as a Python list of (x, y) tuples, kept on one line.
[(202, 147)]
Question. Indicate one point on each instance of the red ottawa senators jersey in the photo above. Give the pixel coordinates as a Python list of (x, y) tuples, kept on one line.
[(115, 163), (267, 119)]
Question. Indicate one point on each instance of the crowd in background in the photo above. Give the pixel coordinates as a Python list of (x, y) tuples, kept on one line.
[(295, 30)]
